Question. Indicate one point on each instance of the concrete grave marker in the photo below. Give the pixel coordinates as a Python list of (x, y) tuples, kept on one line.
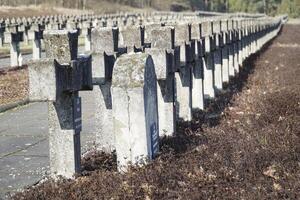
[(132, 37), (105, 51), (217, 54), (36, 35), (13, 37), (183, 73), (225, 52), (208, 67), (163, 58), (57, 80), (231, 70), (197, 72), (135, 109)]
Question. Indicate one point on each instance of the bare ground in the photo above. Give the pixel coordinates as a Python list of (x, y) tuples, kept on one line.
[(251, 151)]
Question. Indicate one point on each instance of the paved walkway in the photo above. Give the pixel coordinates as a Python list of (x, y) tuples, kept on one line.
[(24, 149)]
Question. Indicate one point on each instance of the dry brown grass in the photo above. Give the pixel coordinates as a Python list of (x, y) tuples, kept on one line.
[(13, 85)]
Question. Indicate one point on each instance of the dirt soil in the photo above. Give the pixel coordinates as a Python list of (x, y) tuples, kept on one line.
[(14, 84), (250, 151)]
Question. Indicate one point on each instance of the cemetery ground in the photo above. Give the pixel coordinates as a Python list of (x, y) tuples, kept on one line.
[(246, 145)]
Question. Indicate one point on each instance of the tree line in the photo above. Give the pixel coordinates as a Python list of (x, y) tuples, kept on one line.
[(270, 7)]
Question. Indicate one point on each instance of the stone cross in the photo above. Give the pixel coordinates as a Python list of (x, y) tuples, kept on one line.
[(183, 75), (231, 48), (197, 72), (235, 46), (217, 54), (105, 50), (208, 66), (225, 51), (163, 57), (57, 80), (132, 37), (13, 37), (36, 35)]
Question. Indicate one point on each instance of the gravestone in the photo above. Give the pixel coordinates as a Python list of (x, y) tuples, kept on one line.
[(231, 70), (104, 50), (183, 73), (13, 37), (57, 80), (225, 51), (135, 110), (132, 37), (208, 67), (235, 47), (217, 54), (163, 58), (197, 71), (36, 35)]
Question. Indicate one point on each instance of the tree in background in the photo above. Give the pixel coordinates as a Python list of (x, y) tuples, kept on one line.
[(270, 7), (292, 7)]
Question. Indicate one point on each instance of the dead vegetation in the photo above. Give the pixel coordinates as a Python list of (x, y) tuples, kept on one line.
[(13, 85)]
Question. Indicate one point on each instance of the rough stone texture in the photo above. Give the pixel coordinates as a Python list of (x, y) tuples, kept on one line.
[(206, 28), (103, 40), (183, 94), (131, 37), (87, 42), (36, 49), (236, 57), (162, 37), (225, 64), (182, 33), (102, 65), (134, 94), (105, 138), (241, 52), (165, 89), (195, 30), (165, 99), (182, 39), (104, 44), (59, 85), (62, 137), (231, 60), (216, 26), (208, 47), (218, 70), (130, 75), (14, 54), (224, 25), (148, 31), (208, 69), (42, 80), (61, 45), (160, 61), (198, 89)]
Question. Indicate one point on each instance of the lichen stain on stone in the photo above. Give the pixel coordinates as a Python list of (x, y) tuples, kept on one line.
[(129, 71)]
